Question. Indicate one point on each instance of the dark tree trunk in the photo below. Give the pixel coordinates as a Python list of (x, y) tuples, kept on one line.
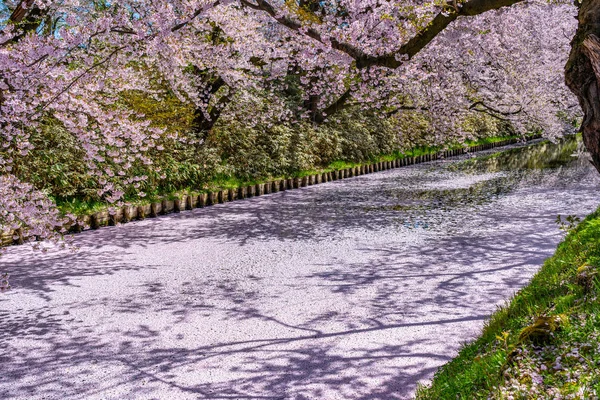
[(582, 74), (202, 123), (312, 106)]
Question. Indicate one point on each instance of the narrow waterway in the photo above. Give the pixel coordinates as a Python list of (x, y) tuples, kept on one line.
[(355, 289)]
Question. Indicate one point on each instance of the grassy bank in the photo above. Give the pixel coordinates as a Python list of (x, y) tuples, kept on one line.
[(544, 344), (222, 182)]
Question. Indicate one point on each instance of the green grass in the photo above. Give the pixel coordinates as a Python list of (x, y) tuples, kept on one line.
[(494, 139), (227, 182), (505, 363), (337, 165), (223, 182), (80, 207)]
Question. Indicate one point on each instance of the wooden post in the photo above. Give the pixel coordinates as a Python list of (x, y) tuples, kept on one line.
[(192, 202), (19, 237), (6, 238), (168, 206), (177, 204), (259, 189), (154, 209), (213, 198)]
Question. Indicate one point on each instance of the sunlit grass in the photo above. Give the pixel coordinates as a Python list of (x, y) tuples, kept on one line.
[(506, 363)]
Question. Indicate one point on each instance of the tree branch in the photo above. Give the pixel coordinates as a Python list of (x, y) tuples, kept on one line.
[(405, 108), (21, 11), (591, 48), (203, 122), (435, 27), (475, 106), (481, 107), (265, 6), (407, 50), (28, 17), (338, 105), (195, 15)]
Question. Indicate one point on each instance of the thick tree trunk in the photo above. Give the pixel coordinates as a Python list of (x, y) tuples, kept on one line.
[(582, 74)]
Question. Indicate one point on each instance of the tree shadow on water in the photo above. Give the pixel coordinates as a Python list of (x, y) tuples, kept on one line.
[(367, 325), (140, 364)]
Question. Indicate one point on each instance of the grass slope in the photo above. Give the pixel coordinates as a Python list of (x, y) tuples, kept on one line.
[(544, 344)]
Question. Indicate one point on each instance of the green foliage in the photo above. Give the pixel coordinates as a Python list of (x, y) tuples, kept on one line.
[(254, 152), (165, 111), (560, 306), (360, 136), (55, 165), (233, 153), (261, 151), (475, 124)]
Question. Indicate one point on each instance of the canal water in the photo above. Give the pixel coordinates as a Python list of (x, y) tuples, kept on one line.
[(354, 289), (443, 195)]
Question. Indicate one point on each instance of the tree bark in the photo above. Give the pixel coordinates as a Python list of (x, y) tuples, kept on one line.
[(21, 11), (203, 123), (582, 74)]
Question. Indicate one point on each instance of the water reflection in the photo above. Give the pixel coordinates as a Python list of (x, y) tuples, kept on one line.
[(443, 195), (545, 155)]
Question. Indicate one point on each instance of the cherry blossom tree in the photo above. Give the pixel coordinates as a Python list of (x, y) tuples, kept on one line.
[(73, 60)]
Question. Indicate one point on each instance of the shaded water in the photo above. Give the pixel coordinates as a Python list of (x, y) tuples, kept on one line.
[(354, 289)]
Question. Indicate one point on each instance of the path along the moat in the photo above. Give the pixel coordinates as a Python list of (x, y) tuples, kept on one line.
[(355, 289)]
